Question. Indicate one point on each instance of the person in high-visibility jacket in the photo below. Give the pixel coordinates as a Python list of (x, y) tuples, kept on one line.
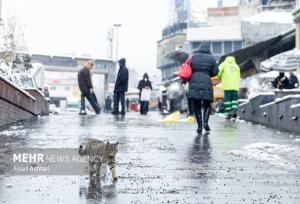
[(229, 75)]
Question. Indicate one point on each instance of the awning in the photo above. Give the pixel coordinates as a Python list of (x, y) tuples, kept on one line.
[(283, 62)]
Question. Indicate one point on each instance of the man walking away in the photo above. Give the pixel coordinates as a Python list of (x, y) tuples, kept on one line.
[(121, 86), (86, 87), (230, 75), (293, 81), (144, 85)]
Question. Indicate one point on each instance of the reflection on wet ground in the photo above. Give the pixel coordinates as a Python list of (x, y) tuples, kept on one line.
[(200, 153), (95, 190), (238, 162)]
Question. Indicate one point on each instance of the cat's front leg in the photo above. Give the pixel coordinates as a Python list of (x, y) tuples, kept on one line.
[(98, 168), (112, 167), (92, 168)]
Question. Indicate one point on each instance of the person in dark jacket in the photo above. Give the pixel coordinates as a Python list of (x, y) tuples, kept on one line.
[(204, 67), (121, 86), (293, 81), (281, 82), (145, 83), (86, 88)]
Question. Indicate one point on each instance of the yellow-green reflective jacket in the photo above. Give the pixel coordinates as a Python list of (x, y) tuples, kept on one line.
[(229, 74)]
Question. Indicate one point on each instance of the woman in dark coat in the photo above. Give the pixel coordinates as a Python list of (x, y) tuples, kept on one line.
[(204, 67), (145, 83)]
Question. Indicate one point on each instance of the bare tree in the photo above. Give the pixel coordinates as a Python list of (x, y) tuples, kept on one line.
[(13, 40), (13, 67)]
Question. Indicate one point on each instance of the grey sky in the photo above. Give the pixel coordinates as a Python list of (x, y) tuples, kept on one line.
[(80, 27)]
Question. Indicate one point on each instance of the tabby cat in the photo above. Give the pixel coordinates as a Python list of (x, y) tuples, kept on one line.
[(106, 153)]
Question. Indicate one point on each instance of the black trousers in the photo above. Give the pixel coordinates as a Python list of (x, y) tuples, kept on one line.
[(92, 100), (119, 97), (144, 107), (197, 106)]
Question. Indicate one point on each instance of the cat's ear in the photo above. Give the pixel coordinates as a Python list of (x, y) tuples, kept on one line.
[(106, 145), (117, 143)]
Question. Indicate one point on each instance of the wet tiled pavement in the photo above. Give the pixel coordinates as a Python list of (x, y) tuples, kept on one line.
[(237, 162)]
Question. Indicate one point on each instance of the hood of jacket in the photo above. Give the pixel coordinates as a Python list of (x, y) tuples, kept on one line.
[(230, 60), (203, 48), (145, 76), (122, 62)]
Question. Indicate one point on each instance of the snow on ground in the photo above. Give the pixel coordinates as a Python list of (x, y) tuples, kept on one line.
[(14, 130), (274, 154)]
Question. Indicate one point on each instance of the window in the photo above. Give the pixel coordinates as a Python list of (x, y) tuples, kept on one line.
[(227, 47), (237, 45), (98, 66), (217, 47), (53, 88), (101, 64), (67, 88)]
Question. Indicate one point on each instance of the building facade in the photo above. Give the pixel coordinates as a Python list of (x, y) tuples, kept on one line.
[(222, 32), (225, 25), (61, 76), (165, 48), (278, 5), (272, 17), (219, 26)]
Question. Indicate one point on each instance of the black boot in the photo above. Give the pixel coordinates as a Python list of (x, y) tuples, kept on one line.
[(115, 112), (234, 115), (206, 118), (229, 115), (199, 121)]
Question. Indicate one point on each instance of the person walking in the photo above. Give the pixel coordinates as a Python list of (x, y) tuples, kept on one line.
[(230, 76), (121, 86), (204, 67), (86, 88), (144, 85)]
